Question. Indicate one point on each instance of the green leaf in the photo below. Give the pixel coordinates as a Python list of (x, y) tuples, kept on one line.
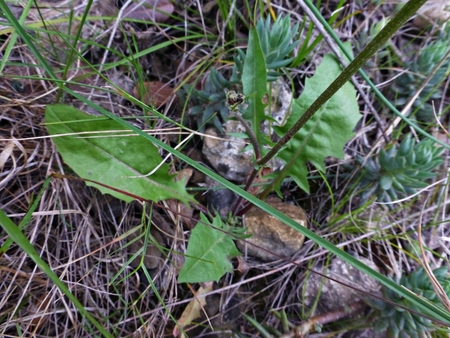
[(254, 81), (208, 253), (111, 158), (326, 133), (386, 182), (261, 329)]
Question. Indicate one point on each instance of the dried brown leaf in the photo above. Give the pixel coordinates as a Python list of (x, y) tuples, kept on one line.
[(153, 93)]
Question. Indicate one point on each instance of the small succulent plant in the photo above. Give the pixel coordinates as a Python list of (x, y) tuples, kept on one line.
[(409, 82), (400, 323), (365, 36), (277, 43), (208, 104), (399, 171)]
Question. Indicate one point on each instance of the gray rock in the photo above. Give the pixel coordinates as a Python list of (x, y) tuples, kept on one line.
[(226, 153), (335, 296)]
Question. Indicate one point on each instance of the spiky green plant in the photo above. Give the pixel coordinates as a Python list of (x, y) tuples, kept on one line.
[(208, 105), (419, 68), (399, 171), (277, 43), (400, 323)]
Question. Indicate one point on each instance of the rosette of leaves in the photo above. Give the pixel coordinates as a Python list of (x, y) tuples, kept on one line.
[(407, 85), (399, 171), (277, 43), (401, 323), (208, 104)]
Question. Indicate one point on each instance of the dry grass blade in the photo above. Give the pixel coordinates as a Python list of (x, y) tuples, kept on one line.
[(436, 286)]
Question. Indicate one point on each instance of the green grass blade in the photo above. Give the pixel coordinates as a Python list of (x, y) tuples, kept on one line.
[(14, 36), (258, 326), (27, 216), (73, 50)]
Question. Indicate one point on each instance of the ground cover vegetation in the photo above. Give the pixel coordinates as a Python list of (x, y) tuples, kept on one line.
[(117, 221)]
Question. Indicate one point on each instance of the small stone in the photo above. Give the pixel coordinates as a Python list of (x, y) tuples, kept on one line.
[(220, 199), (335, 296), (271, 234), (226, 154)]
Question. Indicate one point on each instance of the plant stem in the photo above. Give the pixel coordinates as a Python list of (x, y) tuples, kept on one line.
[(251, 135), (320, 320)]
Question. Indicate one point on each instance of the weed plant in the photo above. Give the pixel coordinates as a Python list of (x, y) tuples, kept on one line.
[(208, 105)]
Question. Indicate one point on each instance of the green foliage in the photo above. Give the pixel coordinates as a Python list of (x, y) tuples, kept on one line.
[(208, 102), (26, 38), (254, 81), (276, 43), (326, 133), (209, 251), (409, 82), (401, 323), (399, 171), (117, 161)]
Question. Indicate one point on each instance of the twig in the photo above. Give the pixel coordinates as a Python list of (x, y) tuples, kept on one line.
[(318, 321)]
